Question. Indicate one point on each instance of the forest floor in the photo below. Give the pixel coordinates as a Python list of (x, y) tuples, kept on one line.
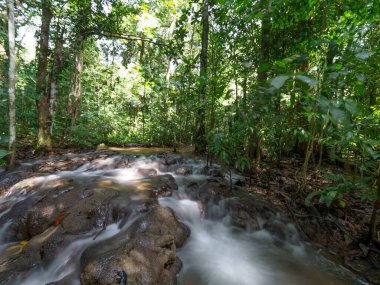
[(338, 233)]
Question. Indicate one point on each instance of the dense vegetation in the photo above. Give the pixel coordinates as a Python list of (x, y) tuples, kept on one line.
[(242, 80)]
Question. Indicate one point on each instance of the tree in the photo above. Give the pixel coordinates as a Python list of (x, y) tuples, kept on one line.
[(200, 132), (12, 83), (44, 115)]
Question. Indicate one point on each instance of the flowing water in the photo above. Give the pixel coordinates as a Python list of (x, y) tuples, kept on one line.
[(220, 254), (216, 252)]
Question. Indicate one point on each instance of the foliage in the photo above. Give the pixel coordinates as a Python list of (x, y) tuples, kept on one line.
[(285, 78), (3, 153), (340, 187)]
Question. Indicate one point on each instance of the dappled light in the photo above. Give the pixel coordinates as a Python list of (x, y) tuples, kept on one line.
[(189, 142)]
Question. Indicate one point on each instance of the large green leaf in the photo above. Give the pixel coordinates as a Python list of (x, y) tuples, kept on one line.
[(324, 103), (364, 55), (4, 153), (338, 116), (309, 81), (279, 81), (352, 106)]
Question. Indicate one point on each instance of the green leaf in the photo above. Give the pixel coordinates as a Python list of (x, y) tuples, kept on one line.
[(338, 116), (328, 198), (4, 153), (364, 55), (310, 197), (323, 103), (279, 81), (342, 204), (264, 67), (309, 81), (352, 106)]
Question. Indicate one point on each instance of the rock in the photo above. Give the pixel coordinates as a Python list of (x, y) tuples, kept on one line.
[(146, 253), (183, 170), (69, 279), (163, 186), (8, 277), (170, 159), (283, 230), (43, 247), (147, 172), (210, 171)]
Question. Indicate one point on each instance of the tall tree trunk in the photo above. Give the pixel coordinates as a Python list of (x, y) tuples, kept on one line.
[(44, 120), (76, 82), (53, 78), (255, 138), (200, 132), (266, 27), (76, 90), (12, 83)]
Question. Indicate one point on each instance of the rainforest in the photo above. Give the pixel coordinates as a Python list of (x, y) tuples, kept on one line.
[(208, 142)]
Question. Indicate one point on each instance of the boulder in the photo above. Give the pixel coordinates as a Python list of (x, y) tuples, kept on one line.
[(144, 254)]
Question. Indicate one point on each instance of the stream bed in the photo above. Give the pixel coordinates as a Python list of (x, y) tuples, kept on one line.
[(109, 218)]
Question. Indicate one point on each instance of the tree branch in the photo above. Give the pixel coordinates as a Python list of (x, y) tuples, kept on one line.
[(129, 37)]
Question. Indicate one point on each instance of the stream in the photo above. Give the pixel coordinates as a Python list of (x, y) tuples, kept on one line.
[(103, 218)]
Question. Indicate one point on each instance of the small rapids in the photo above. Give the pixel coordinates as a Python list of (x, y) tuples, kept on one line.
[(220, 254), (67, 262), (216, 253)]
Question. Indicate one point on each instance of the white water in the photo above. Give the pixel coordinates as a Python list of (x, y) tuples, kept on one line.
[(3, 231), (218, 254), (215, 253), (67, 262)]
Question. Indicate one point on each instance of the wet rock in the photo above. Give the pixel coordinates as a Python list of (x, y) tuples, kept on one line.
[(211, 171), (22, 259), (163, 186), (59, 214), (19, 217), (147, 172), (239, 215), (170, 159), (209, 191), (146, 253), (283, 230), (8, 277), (69, 279), (177, 169), (40, 217), (89, 213), (184, 170)]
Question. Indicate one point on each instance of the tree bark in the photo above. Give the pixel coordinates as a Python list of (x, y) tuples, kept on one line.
[(76, 89), (44, 136), (254, 148), (12, 84), (76, 82), (200, 132), (266, 27), (53, 78)]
